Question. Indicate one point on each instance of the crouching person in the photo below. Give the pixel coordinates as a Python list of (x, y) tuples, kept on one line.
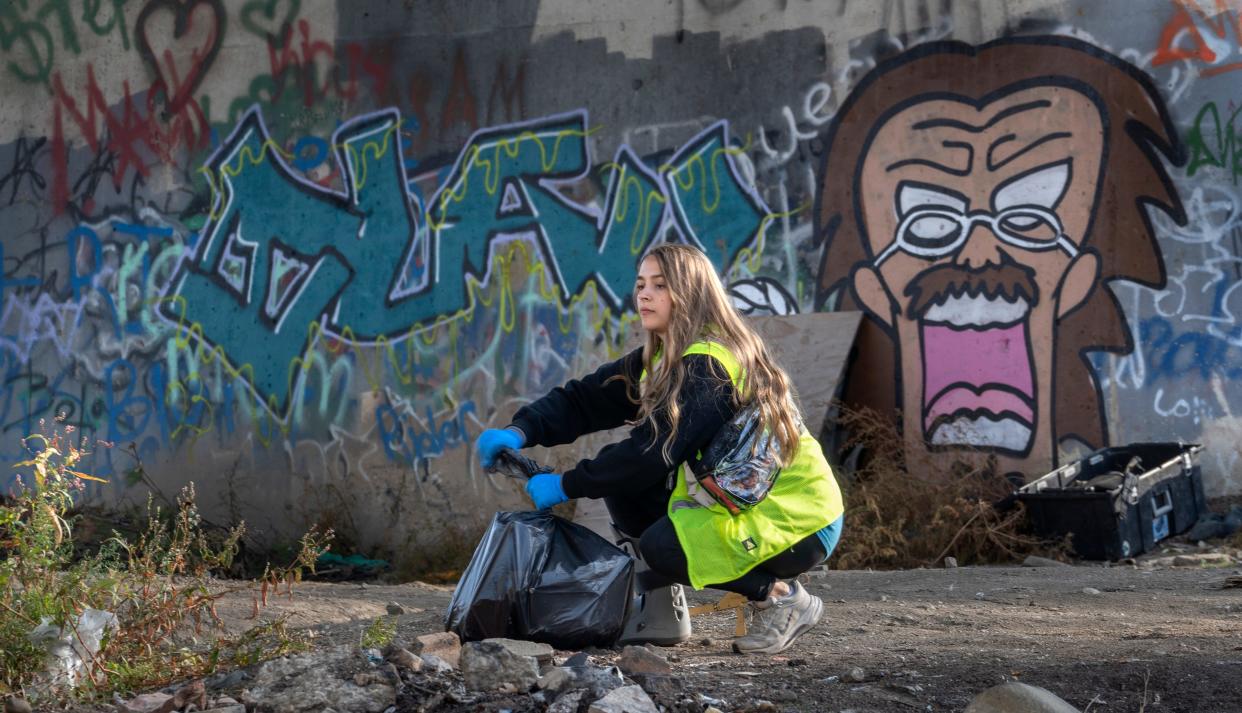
[(701, 367)]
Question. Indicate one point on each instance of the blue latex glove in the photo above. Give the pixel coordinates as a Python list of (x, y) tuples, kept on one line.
[(491, 441), (545, 490)]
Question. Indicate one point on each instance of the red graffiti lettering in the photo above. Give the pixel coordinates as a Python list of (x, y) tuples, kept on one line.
[(315, 58), (460, 105), (1183, 38), (137, 138)]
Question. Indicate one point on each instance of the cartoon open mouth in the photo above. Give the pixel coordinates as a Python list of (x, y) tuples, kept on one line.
[(978, 377)]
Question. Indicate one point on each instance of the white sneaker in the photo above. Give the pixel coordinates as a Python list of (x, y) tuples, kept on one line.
[(778, 622)]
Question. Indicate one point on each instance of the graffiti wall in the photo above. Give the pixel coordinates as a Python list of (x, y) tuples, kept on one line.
[(302, 253)]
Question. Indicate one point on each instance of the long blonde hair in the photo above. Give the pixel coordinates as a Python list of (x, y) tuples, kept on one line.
[(700, 309)]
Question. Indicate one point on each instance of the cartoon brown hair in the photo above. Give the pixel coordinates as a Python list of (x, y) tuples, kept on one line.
[(1137, 134)]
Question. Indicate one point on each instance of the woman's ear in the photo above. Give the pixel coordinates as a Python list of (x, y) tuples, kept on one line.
[(870, 292)]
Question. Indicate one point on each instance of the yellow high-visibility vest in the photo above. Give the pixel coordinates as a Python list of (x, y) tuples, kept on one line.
[(721, 547)]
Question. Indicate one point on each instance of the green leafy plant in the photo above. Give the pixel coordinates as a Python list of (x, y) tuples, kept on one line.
[(160, 584), (379, 633)]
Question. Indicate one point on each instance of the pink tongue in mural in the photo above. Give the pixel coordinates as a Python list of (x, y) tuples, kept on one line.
[(977, 370)]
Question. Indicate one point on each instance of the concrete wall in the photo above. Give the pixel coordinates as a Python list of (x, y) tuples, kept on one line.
[(303, 252)]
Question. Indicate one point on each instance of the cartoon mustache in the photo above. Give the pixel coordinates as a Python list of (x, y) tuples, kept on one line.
[(1007, 280)]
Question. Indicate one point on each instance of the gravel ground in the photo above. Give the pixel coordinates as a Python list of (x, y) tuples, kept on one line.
[(1163, 634)]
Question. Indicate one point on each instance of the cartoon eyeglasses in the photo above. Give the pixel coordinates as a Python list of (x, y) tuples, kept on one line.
[(936, 231)]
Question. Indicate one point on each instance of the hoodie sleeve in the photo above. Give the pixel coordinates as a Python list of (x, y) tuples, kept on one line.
[(706, 402), (596, 402)]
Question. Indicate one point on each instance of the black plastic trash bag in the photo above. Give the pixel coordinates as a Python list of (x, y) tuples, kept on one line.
[(539, 577)]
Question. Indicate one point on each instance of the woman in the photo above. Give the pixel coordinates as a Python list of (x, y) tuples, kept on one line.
[(700, 365)]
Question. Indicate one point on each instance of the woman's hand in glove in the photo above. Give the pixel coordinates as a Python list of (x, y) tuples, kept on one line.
[(545, 490), (493, 440)]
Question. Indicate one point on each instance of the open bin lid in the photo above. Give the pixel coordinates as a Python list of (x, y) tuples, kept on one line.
[(1136, 466)]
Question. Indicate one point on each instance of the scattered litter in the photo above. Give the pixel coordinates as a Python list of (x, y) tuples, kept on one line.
[(71, 648), (333, 566)]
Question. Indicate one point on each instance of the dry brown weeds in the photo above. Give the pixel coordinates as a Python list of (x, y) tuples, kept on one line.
[(903, 514)]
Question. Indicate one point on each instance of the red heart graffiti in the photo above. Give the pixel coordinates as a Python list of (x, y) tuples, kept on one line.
[(204, 43)]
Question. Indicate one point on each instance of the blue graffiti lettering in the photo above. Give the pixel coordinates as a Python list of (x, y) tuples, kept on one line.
[(282, 258)]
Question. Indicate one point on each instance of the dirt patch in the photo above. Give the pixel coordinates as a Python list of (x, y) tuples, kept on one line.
[(1152, 636)]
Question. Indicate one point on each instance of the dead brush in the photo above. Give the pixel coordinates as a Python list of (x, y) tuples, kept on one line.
[(161, 585), (167, 585), (901, 514)]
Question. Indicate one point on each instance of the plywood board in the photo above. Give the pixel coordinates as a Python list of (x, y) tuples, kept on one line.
[(813, 349)]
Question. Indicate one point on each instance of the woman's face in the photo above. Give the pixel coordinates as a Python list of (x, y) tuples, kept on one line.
[(651, 297)]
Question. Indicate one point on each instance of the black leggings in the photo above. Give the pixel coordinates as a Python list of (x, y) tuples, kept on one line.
[(643, 515)]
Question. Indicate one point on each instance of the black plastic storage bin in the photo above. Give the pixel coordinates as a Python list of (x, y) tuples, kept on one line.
[(1119, 502)]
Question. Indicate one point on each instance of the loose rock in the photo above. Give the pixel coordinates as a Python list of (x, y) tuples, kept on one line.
[(567, 703), (659, 686), (1018, 698), (854, 675), (487, 665), (642, 660), (1036, 561), (446, 645), (627, 699), (313, 682), (13, 704), (193, 692), (232, 679), (1090, 590), (405, 659), (783, 695), (950, 562), (436, 664), (395, 609), (540, 652), (146, 703), (599, 681), (225, 705)]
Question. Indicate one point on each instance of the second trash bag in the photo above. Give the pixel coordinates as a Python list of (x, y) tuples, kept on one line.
[(539, 577)]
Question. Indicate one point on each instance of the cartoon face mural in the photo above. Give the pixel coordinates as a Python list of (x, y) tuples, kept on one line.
[(975, 201)]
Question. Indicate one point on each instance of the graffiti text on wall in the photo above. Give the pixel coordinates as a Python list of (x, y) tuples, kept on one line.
[(283, 259)]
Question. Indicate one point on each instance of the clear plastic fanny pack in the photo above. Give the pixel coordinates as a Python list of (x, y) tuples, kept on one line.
[(739, 466)]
